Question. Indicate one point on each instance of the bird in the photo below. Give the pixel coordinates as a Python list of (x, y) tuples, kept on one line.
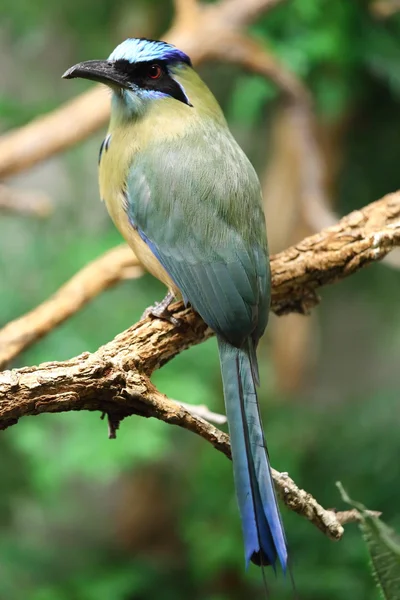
[(188, 201)]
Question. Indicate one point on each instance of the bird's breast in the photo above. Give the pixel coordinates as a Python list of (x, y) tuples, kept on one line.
[(116, 156)]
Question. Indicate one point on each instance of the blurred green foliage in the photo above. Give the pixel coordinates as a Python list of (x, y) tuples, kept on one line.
[(66, 532)]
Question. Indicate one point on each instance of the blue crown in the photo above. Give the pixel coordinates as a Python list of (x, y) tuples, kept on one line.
[(137, 50)]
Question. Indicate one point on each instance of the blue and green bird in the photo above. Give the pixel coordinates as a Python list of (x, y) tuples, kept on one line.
[(188, 201)]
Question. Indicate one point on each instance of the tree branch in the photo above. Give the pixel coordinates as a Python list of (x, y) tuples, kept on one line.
[(114, 266), (115, 381), (362, 237), (46, 135), (240, 49), (353, 516), (27, 203)]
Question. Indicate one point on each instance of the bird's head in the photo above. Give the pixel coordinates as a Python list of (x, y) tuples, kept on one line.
[(139, 71)]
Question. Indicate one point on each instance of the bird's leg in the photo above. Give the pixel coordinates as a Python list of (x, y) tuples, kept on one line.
[(160, 310)]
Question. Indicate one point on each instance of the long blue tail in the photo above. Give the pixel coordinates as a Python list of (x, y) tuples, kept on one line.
[(264, 538)]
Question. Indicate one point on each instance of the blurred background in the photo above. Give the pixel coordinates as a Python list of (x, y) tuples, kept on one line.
[(152, 514)]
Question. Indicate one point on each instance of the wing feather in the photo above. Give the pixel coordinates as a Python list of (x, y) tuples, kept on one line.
[(205, 225)]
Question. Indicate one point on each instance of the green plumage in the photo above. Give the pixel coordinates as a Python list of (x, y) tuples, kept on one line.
[(206, 224), (197, 204), (188, 201)]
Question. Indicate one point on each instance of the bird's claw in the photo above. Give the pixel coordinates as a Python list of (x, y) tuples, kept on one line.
[(160, 311)]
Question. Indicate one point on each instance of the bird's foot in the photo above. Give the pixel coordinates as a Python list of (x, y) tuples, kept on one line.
[(160, 311)]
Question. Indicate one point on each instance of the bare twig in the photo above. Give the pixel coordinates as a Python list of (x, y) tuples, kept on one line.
[(28, 203), (362, 237), (352, 516), (304, 504), (202, 411), (56, 131), (97, 276)]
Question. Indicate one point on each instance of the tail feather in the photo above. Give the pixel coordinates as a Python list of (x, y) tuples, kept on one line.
[(263, 533)]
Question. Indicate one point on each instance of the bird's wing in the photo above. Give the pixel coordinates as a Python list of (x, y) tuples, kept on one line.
[(199, 211)]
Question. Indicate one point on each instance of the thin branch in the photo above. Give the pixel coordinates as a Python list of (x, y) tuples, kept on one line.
[(353, 516), (53, 132), (103, 273), (242, 50), (202, 411), (186, 11), (362, 237), (113, 381), (304, 504), (27, 203)]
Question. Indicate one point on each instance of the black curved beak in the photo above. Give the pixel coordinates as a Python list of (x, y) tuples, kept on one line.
[(104, 71)]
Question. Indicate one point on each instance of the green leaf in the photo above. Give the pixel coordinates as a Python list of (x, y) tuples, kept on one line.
[(384, 549)]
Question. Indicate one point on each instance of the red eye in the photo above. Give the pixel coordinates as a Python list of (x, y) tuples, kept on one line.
[(154, 71)]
